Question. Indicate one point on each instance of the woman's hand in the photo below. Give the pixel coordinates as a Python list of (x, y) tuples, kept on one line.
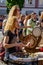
[(21, 45), (29, 44)]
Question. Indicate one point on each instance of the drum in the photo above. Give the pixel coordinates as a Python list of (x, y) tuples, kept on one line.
[(37, 32), (40, 62), (21, 58), (30, 41)]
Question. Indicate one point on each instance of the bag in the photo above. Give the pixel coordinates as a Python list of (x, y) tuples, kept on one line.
[(2, 51)]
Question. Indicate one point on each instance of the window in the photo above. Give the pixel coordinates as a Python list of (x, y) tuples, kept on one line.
[(29, 12), (30, 1), (40, 2), (2, 2)]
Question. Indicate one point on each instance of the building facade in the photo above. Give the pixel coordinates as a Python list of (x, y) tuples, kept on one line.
[(3, 7), (32, 5), (29, 6), (3, 12)]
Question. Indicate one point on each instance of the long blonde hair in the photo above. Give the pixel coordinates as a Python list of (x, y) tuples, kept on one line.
[(10, 23), (41, 17), (13, 11)]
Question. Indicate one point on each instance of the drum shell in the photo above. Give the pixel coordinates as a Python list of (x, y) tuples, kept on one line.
[(30, 61), (35, 63), (40, 62), (24, 63), (27, 39), (19, 63)]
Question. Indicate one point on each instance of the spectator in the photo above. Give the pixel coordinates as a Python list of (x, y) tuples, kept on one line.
[(31, 22), (3, 25), (21, 24), (25, 23), (26, 19)]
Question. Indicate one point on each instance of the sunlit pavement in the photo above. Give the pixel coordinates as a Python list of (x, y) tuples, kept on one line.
[(2, 63), (1, 36)]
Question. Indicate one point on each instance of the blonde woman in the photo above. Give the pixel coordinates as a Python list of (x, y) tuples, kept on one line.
[(26, 19), (9, 41), (15, 11)]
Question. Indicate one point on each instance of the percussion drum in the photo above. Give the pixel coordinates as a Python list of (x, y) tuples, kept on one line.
[(22, 58), (37, 32), (40, 62), (30, 41)]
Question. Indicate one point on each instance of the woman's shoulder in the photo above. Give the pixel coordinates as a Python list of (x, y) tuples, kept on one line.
[(7, 33)]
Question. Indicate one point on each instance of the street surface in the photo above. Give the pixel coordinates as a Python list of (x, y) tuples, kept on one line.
[(1, 36)]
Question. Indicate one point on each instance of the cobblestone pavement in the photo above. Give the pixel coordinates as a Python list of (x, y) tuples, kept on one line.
[(2, 63), (1, 36)]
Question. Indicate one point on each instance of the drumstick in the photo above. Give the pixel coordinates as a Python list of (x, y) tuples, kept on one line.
[(23, 49)]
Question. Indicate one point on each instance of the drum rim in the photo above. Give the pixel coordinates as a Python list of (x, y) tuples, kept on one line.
[(33, 30), (35, 39)]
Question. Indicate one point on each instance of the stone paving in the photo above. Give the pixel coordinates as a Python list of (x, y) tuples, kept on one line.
[(2, 63), (1, 36)]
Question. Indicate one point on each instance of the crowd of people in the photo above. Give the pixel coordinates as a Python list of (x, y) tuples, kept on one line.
[(17, 25), (1, 20)]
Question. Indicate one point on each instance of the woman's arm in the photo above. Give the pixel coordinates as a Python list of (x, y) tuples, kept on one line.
[(5, 43)]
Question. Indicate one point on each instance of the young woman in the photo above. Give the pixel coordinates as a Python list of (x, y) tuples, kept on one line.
[(10, 42), (15, 11)]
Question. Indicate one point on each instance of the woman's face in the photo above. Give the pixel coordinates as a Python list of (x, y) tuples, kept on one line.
[(16, 24), (18, 11)]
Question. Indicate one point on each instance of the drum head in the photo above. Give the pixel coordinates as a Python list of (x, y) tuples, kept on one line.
[(30, 41), (36, 32)]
